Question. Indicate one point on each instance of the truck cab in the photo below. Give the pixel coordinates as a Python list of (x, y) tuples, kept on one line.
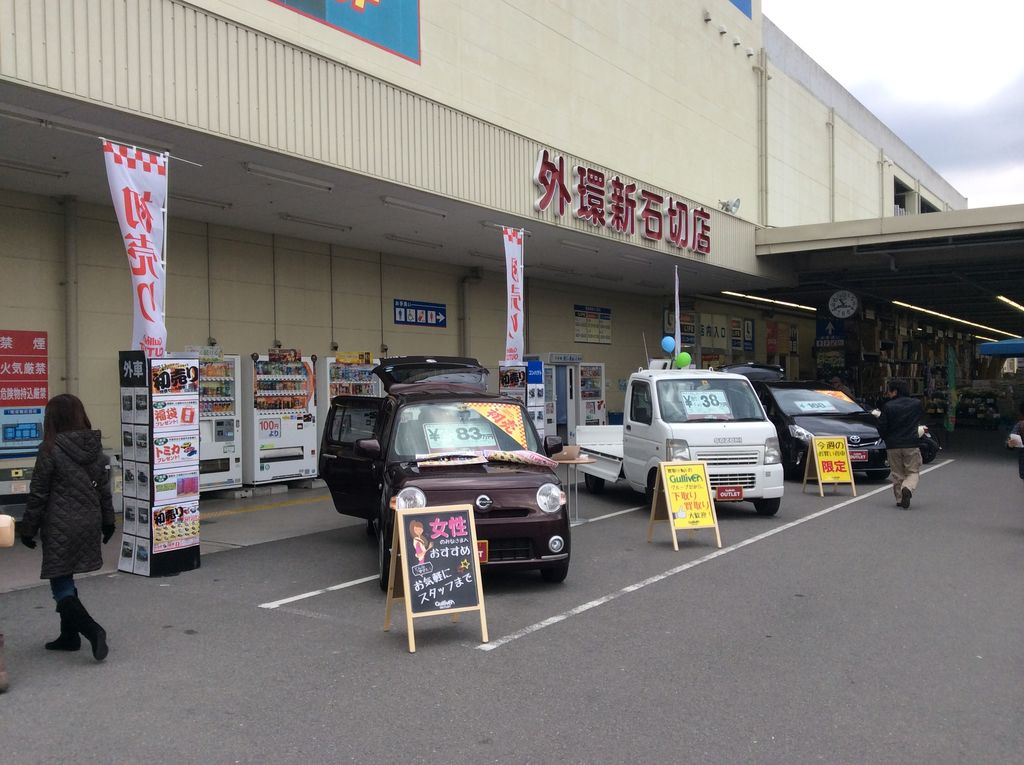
[(690, 414)]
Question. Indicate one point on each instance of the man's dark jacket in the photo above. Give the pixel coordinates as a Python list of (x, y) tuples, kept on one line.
[(68, 503), (898, 422)]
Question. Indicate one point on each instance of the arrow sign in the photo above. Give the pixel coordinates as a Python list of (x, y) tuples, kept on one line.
[(420, 314)]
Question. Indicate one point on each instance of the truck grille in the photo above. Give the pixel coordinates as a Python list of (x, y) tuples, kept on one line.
[(746, 480), (728, 457)]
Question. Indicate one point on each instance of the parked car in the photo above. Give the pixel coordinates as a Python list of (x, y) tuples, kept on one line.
[(430, 440), (802, 409), (754, 371)]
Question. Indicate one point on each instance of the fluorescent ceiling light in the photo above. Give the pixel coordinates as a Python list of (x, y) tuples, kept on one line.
[(410, 240), (283, 175), (486, 255), (499, 227), (951, 318), (200, 201), (769, 300), (12, 164), (982, 337), (42, 119), (581, 247), (635, 258), (393, 202), (608, 277), (556, 269), (1007, 300), (322, 223)]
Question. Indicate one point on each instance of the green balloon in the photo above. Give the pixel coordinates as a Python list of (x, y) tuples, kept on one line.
[(683, 360)]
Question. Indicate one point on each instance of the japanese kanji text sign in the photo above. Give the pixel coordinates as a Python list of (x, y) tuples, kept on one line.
[(617, 204), (138, 189), (434, 565), (24, 390), (516, 302), (682, 496), (828, 461)]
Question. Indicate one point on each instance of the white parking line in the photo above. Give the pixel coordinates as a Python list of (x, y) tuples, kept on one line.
[(342, 586), (679, 569)]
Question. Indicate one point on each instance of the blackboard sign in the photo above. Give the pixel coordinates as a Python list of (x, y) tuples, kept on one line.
[(434, 565)]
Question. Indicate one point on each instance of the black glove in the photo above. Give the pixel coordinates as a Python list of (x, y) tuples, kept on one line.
[(108, 532), (29, 542)]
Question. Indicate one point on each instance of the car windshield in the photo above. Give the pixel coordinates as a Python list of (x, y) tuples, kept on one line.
[(470, 427), (708, 400), (806, 401)]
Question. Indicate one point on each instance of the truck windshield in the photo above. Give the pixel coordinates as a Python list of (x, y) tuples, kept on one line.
[(708, 400), (473, 426)]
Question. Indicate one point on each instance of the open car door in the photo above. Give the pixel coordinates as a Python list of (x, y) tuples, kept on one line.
[(351, 477)]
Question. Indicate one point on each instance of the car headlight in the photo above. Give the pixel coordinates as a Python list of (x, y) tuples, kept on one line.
[(797, 432), (409, 497), (677, 449), (772, 453), (550, 498)]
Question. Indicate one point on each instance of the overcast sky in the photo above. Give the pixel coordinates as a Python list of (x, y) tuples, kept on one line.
[(947, 76)]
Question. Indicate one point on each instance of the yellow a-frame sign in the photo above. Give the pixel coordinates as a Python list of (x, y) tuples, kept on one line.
[(828, 461), (434, 567), (682, 497)]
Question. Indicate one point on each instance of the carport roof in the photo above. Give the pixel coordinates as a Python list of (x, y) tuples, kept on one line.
[(954, 263)]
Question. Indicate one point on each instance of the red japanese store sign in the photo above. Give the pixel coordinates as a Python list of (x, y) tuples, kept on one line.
[(138, 188), (620, 205), (24, 368)]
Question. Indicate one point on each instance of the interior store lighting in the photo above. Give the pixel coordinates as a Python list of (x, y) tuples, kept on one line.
[(84, 129), (947, 317), (200, 201), (310, 221), (982, 337), (607, 277), (283, 175), (487, 255), (581, 247), (410, 240), (635, 258), (1007, 300), (770, 300), (556, 269), (24, 167), (404, 205), (499, 227)]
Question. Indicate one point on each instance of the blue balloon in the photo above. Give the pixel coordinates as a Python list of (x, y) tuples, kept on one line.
[(668, 344)]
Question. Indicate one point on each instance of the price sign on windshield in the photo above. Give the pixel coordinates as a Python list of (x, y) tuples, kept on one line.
[(815, 406), (442, 436), (706, 403)]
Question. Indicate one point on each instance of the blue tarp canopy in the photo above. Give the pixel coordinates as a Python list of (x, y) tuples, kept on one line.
[(1010, 347)]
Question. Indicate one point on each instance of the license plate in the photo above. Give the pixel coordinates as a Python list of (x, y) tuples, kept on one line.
[(858, 455), (19, 487), (729, 492), (481, 550)]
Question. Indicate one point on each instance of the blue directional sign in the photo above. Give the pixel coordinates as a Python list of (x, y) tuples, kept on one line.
[(420, 314)]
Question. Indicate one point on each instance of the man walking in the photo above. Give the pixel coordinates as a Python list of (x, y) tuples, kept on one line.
[(897, 424)]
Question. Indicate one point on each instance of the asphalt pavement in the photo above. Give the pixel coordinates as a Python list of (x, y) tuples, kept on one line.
[(843, 630)]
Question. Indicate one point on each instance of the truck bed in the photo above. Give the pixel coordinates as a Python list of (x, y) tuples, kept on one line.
[(603, 444)]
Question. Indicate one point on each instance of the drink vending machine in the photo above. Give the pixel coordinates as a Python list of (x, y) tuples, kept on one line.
[(220, 450), (344, 374), (279, 438)]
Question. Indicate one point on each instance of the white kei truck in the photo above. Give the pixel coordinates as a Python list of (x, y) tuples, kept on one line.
[(689, 414)]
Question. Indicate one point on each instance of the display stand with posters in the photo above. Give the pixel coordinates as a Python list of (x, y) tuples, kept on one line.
[(434, 566), (160, 463), (525, 381), (682, 498), (828, 461)]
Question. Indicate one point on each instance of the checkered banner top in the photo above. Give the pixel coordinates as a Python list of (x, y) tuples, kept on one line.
[(514, 235), (136, 159)]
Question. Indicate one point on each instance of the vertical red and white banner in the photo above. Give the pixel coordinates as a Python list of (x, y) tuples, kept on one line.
[(514, 283), (138, 188)]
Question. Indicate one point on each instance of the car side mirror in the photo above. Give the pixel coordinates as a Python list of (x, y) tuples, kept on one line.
[(552, 445), (367, 447)]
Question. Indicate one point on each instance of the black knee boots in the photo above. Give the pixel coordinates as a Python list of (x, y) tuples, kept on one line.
[(80, 620), (68, 640)]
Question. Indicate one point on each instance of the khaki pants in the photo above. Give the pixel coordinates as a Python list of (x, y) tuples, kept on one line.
[(905, 469)]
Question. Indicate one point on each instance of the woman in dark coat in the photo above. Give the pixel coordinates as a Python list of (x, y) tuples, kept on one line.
[(69, 504)]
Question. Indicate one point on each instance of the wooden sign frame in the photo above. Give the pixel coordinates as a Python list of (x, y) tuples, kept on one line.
[(812, 466), (661, 504), (399, 585)]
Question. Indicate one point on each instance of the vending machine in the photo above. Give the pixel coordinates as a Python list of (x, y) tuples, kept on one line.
[(344, 374), (592, 401), (279, 434), (220, 437)]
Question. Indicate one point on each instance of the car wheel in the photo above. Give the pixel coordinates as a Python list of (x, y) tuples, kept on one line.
[(594, 484), (555, 574), (878, 475), (767, 506), (792, 472), (383, 554), (652, 477)]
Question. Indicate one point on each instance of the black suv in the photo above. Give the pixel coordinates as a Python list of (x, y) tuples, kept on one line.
[(803, 409), (439, 438)]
